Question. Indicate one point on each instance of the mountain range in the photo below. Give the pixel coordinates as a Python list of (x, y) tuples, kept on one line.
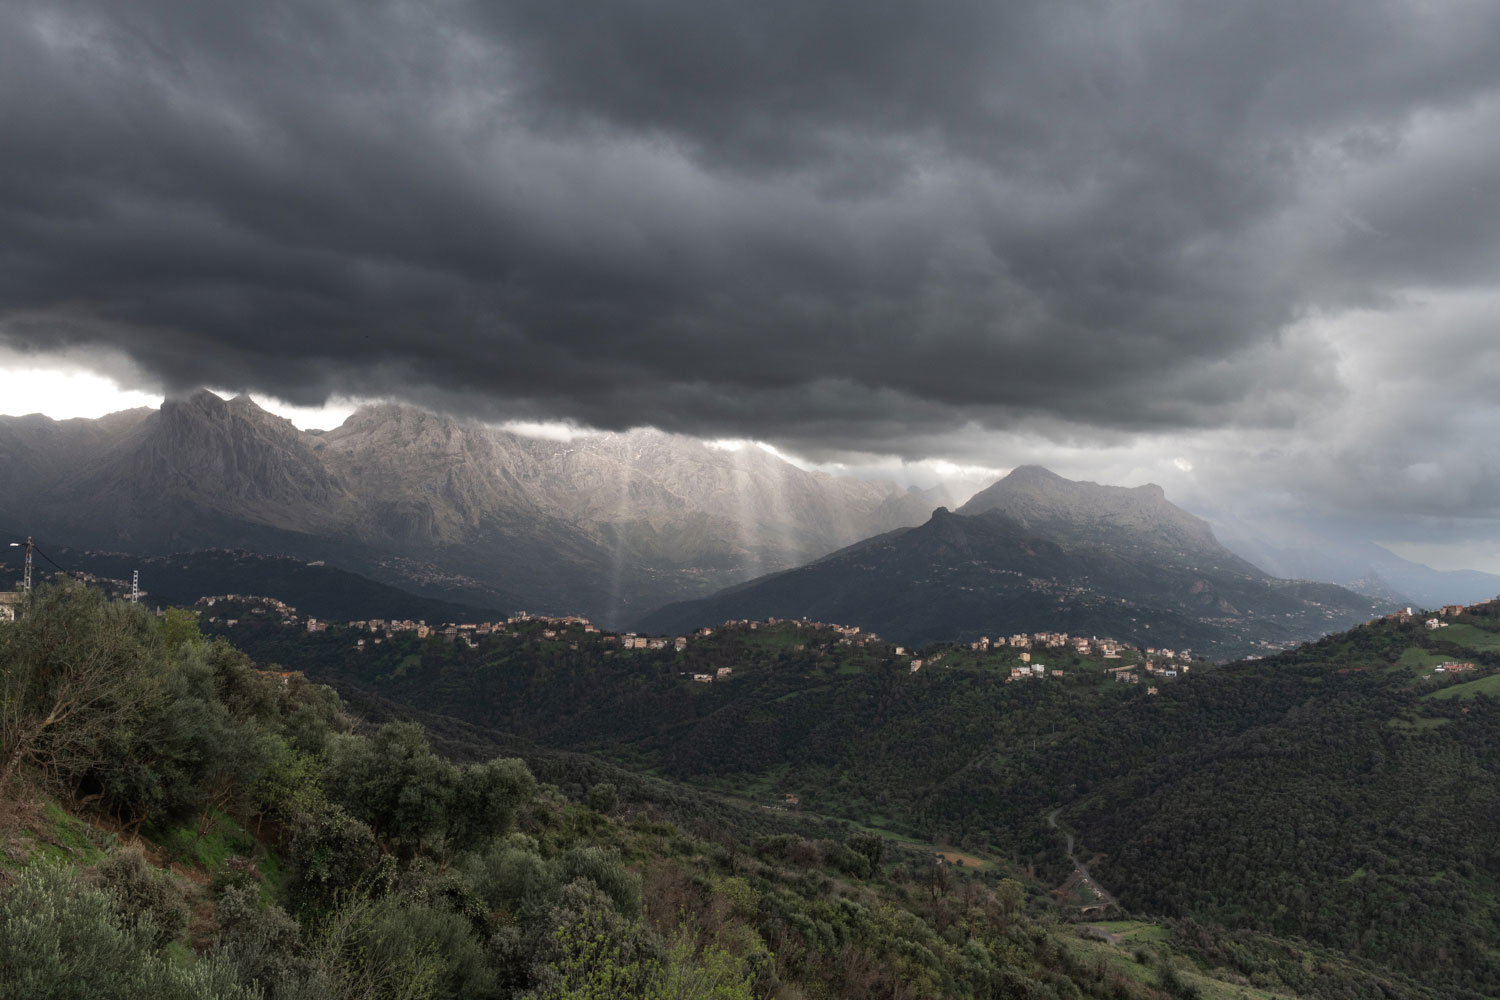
[(604, 524), (627, 527), (1037, 552), (1323, 551)]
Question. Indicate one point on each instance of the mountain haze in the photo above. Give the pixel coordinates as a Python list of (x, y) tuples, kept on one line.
[(601, 524), (1081, 514), (1036, 552), (1324, 552)]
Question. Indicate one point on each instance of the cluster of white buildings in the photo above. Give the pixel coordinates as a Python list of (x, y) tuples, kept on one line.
[(258, 605)]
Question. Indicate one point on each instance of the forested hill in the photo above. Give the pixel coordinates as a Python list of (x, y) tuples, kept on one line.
[(313, 588), (176, 822), (960, 576), (1342, 793)]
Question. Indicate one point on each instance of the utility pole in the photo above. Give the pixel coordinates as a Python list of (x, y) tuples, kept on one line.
[(26, 576)]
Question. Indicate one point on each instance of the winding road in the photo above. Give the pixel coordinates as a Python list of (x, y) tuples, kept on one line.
[(1079, 866)]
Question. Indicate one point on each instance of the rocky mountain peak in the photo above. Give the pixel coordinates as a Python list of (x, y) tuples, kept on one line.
[(1086, 513)]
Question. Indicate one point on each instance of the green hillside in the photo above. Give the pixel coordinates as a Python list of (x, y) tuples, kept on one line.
[(175, 822), (313, 588), (1342, 793)]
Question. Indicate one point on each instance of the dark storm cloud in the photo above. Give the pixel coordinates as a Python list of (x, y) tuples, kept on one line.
[(839, 226)]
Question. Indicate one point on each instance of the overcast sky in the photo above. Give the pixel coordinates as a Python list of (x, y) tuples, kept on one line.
[(1249, 250)]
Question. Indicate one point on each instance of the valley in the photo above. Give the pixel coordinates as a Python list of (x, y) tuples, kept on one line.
[(1332, 766), (1064, 703)]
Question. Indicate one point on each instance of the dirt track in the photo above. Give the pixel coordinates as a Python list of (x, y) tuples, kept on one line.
[(1078, 866)]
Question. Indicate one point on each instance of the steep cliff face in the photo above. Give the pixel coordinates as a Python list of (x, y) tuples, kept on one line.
[(598, 523), (188, 472), (1139, 519), (37, 452)]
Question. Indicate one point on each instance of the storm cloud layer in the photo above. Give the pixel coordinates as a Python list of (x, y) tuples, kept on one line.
[(1268, 231)]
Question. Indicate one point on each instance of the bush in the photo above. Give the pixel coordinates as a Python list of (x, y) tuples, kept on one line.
[(511, 876), (605, 871), (385, 948), (596, 952), (871, 845), (138, 888), (237, 872), (603, 798), (63, 939), (332, 855), (263, 942)]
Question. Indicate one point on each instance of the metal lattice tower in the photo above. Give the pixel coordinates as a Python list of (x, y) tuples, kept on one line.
[(135, 586), (26, 576)]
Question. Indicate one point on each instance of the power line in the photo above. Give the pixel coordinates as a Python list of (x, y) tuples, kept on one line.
[(49, 559), (31, 547)]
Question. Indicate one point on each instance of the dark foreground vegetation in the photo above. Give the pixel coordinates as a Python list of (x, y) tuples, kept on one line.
[(175, 822), (1345, 795)]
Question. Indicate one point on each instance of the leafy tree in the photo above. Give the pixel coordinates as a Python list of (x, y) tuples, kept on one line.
[(485, 801), (412, 798), (603, 797), (871, 845), (76, 668), (333, 856), (179, 628), (395, 783)]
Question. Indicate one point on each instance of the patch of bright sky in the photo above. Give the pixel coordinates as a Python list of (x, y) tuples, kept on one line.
[(739, 444), (63, 394), (304, 418), (550, 430)]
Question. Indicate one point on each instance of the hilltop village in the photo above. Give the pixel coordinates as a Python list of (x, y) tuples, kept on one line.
[(718, 654), (1021, 657)]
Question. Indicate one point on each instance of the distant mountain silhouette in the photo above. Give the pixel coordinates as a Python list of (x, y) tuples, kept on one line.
[(1324, 552), (605, 524), (1038, 552)]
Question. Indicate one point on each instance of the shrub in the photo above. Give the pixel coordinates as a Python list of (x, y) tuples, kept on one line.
[(265, 945), (384, 948), (511, 876), (603, 798), (604, 869), (237, 872), (332, 855), (63, 939), (139, 888)]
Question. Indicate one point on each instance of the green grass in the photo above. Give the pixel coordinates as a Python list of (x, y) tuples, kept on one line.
[(72, 839), (1474, 638), (273, 877), (59, 839), (1132, 931), (756, 785), (776, 639), (1489, 685), (224, 840), (1417, 659), (1121, 958)]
